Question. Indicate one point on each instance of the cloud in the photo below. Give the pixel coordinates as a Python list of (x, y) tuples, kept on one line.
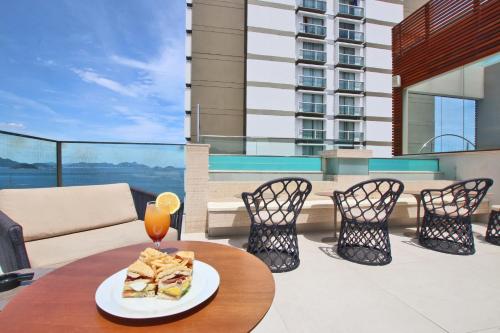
[(12, 126), (19, 102), (90, 76)]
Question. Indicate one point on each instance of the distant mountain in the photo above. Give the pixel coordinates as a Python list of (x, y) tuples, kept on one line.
[(8, 163)]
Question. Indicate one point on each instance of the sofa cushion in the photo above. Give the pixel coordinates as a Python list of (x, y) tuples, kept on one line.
[(52, 252), (49, 212)]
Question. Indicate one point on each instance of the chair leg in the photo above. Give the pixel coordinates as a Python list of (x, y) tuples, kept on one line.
[(493, 231), (447, 234)]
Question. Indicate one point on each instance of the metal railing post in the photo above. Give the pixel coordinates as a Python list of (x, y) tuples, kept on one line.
[(59, 163), (197, 123)]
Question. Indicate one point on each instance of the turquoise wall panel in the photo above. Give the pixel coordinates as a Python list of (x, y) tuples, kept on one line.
[(400, 164), (264, 163)]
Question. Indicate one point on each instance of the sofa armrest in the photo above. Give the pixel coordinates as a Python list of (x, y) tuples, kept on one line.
[(141, 198), (13, 255)]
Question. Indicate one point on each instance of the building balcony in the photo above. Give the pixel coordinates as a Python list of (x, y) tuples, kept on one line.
[(351, 61), (315, 108), (312, 134), (312, 56), (351, 36), (351, 136), (312, 30), (311, 82), (350, 111), (350, 11), (316, 6), (351, 86)]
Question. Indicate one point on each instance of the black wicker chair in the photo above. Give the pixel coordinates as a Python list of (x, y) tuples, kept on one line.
[(365, 209), (446, 226), (493, 231), (273, 210)]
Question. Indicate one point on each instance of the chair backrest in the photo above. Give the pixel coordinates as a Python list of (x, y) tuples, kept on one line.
[(56, 211), (369, 201), (459, 199), (278, 201)]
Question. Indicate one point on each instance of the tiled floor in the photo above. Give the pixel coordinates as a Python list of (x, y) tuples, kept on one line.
[(420, 291)]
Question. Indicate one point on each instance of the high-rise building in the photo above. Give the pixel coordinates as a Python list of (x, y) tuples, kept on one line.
[(306, 75)]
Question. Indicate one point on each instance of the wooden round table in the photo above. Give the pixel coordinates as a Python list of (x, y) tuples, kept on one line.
[(63, 301)]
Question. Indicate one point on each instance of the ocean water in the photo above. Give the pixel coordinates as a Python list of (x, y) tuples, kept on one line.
[(155, 180)]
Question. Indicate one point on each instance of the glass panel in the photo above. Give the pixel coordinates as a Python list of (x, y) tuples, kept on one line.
[(455, 111), (27, 162), (153, 168)]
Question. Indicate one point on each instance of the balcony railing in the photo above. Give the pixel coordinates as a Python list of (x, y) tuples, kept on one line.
[(313, 55), (312, 29), (312, 107), (317, 5), (68, 163), (351, 10), (312, 134), (350, 110), (355, 136), (351, 60), (351, 85), (312, 81), (351, 35)]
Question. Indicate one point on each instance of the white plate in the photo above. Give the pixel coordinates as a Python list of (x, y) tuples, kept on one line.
[(109, 295)]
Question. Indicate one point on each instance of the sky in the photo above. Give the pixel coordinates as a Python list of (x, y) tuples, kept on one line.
[(93, 70)]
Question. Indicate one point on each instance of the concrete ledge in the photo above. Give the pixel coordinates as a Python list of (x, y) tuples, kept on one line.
[(231, 218)]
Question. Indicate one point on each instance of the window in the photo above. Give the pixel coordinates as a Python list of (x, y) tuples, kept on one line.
[(455, 111), (313, 46), (347, 26), (346, 126), (312, 124), (347, 50), (313, 20), (312, 150), (348, 76), (344, 100), (312, 98), (315, 72)]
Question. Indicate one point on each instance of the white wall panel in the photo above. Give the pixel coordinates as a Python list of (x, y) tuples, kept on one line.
[(271, 126), (271, 18), (188, 71), (378, 82), (271, 45), (378, 106), (271, 71), (189, 18), (270, 98), (378, 131), (378, 58), (187, 99), (380, 151), (384, 11), (379, 34), (188, 45), (187, 126)]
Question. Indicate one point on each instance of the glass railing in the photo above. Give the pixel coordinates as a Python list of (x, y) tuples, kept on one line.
[(312, 29), (352, 60), (319, 5), (312, 107), (313, 55), (352, 35), (351, 10), (312, 81), (266, 146), (28, 162), (351, 136), (312, 134), (351, 85), (349, 110)]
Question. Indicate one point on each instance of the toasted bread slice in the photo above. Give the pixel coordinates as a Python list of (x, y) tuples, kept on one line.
[(140, 268)]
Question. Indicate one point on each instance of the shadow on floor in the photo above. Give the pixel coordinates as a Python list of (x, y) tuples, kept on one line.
[(330, 251)]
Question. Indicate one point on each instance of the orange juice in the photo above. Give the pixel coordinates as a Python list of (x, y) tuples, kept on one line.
[(157, 222)]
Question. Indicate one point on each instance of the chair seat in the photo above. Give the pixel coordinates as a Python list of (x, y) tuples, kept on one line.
[(56, 251)]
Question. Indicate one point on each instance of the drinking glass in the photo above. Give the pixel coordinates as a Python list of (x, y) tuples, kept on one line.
[(157, 221)]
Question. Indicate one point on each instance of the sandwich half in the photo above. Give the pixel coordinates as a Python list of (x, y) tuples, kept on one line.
[(174, 280), (140, 281)]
